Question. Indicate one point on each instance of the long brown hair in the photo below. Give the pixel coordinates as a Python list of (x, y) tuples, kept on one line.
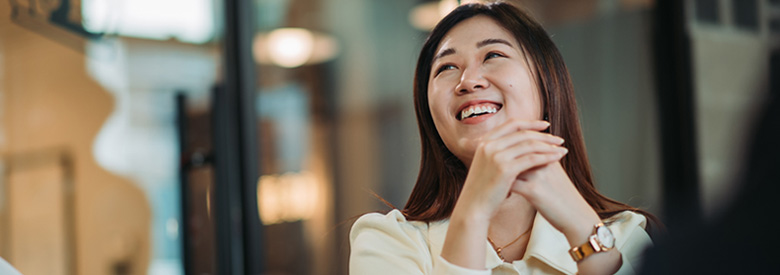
[(442, 175)]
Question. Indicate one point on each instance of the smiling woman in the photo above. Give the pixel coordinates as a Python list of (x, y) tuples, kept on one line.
[(479, 69), (502, 156)]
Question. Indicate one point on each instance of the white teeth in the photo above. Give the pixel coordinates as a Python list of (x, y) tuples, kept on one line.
[(477, 110)]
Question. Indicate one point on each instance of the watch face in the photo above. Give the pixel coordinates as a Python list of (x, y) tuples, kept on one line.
[(605, 237)]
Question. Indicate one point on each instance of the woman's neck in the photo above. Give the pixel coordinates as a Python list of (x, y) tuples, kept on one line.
[(513, 217)]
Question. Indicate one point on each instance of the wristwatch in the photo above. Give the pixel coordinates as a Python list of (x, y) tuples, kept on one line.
[(601, 240)]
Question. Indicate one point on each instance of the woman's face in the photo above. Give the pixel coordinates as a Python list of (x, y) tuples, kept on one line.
[(479, 80)]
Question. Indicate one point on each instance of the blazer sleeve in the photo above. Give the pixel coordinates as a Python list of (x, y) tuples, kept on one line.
[(632, 241), (388, 244)]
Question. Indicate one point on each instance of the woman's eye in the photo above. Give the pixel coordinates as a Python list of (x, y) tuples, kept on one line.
[(492, 55), (444, 68)]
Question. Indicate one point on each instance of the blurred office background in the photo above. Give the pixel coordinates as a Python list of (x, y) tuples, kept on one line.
[(244, 137)]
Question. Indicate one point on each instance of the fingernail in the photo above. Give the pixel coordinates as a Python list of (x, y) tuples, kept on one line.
[(563, 150), (559, 140)]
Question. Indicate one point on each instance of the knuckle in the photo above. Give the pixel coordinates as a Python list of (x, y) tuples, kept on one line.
[(516, 122), (488, 147), (498, 158), (482, 147), (527, 134), (535, 158), (502, 169), (529, 143)]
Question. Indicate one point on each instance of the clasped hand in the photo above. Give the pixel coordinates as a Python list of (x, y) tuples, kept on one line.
[(517, 157)]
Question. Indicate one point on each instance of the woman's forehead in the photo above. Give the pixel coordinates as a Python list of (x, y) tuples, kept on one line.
[(471, 31)]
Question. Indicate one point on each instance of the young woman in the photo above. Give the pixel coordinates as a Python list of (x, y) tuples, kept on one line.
[(504, 186)]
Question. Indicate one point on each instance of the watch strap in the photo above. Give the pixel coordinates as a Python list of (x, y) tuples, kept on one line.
[(590, 247), (580, 252)]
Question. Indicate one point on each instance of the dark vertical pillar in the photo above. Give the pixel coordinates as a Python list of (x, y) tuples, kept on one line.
[(674, 84), (184, 194), (774, 73), (235, 149)]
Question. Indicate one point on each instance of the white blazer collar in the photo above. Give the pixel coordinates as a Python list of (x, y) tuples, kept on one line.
[(546, 244)]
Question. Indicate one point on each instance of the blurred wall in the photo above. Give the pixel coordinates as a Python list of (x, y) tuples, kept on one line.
[(610, 60), (376, 145), (49, 102)]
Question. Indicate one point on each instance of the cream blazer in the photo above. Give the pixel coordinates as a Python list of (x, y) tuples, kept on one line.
[(389, 244)]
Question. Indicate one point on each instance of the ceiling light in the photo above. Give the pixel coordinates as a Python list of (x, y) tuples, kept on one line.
[(293, 47)]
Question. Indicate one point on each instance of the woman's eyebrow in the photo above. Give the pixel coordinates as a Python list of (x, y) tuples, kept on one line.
[(489, 41), (444, 53), (480, 44)]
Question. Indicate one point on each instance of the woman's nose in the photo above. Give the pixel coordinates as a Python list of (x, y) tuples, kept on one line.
[(472, 80)]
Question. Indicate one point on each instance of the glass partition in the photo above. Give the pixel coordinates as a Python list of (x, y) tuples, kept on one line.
[(90, 144)]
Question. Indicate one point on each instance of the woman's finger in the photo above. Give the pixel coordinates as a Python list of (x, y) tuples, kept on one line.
[(516, 138), (525, 147), (515, 125), (533, 160)]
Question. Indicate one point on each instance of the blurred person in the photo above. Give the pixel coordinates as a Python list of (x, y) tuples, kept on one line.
[(743, 238), (505, 186)]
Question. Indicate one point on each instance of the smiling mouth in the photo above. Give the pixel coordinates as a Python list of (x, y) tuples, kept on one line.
[(477, 110)]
